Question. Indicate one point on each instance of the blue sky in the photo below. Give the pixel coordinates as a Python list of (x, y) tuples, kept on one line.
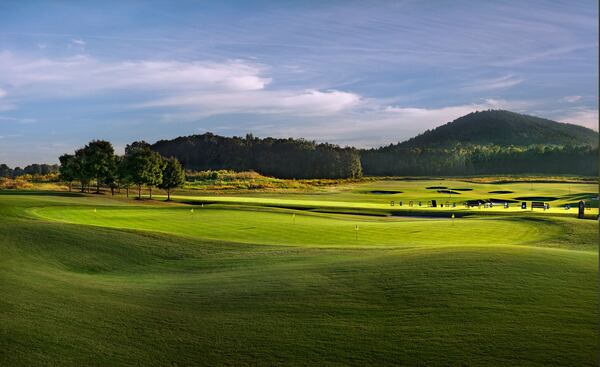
[(362, 73)]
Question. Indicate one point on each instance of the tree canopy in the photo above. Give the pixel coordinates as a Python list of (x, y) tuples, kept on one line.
[(173, 176)]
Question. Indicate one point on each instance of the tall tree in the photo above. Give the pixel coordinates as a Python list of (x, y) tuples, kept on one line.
[(100, 160), (154, 170), (67, 169), (173, 176), (122, 174), (143, 165), (80, 168)]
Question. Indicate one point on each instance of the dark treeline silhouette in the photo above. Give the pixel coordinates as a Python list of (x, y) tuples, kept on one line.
[(32, 169), (283, 158), (396, 160)]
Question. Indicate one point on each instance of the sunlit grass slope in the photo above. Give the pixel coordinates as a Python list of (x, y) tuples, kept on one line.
[(146, 283), (289, 227), (379, 195)]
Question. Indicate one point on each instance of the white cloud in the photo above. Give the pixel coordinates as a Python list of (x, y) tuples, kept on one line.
[(506, 81), (199, 87), (86, 75), (379, 125), (585, 117), (308, 102), (78, 42), (571, 99)]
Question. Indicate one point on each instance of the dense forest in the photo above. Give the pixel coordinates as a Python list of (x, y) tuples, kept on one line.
[(485, 142), (283, 158), (396, 160), (490, 142), (504, 128)]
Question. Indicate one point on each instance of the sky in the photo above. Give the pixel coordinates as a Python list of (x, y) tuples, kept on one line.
[(364, 73)]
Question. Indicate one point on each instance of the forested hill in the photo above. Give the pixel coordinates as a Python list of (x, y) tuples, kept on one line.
[(504, 128), (284, 158), (490, 142), (487, 142)]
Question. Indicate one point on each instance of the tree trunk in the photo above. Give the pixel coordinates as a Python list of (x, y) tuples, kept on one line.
[(139, 191), (150, 189), (97, 185), (70, 186), (82, 186), (127, 191), (112, 190), (168, 194)]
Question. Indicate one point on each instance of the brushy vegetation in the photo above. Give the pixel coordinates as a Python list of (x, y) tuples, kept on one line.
[(227, 180)]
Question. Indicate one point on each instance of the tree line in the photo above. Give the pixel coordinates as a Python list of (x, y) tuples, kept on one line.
[(397, 160), (282, 158), (140, 166), (32, 169)]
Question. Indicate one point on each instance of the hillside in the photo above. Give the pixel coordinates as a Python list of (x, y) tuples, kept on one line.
[(491, 142), (503, 128), (282, 158)]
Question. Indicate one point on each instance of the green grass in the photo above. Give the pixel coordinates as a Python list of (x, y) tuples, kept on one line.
[(151, 283), (360, 196)]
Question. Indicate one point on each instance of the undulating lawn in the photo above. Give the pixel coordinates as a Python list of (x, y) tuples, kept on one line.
[(93, 281)]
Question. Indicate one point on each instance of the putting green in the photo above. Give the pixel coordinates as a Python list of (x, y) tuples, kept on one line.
[(287, 227)]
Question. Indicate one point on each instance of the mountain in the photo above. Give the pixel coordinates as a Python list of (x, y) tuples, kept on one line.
[(504, 128)]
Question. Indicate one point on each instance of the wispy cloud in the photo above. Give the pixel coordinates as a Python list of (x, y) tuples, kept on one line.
[(502, 82), (571, 99), (78, 42), (582, 116), (308, 102), (18, 120), (378, 125), (232, 86), (85, 74)]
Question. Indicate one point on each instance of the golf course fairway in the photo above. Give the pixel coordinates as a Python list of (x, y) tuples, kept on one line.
[(91, 280)]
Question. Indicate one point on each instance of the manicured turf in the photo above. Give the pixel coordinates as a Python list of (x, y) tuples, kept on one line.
[(367, 196), (90, 280)]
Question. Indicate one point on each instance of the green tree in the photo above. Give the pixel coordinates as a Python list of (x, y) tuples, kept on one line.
[(99, 160), (5, 171), (123, 176), (144, 166), (67, 169), (80, 168), (173, 176)]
